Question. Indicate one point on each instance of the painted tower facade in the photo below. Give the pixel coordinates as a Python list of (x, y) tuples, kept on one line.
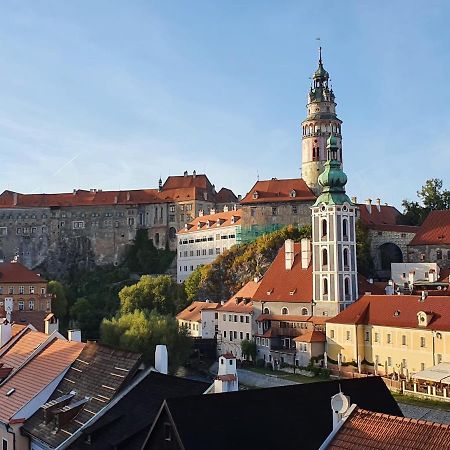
[(335, 283), (320, 123)]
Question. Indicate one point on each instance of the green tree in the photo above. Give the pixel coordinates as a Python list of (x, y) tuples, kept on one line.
[(86, 317), (432, 196), (59, 299), (193, 282), (152, 293), (141, 332), (248, 349), (363, 254)]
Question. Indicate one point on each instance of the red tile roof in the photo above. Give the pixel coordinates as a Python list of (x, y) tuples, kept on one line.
[(237, 303), (35, 318), (14, 272), (370, 430), (187, 181), (315, 320), (397, 311), (35, 375), (226, 195), (218, 220), (384, 219), (228, 377), (311, 336), (192, 313), (435, 230), (281, 285), (279, 191)]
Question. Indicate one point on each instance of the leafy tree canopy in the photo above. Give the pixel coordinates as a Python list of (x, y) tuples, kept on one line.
[(59, 299), (141, 332)]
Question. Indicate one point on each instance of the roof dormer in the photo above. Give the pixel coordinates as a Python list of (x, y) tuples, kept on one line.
[(255, 195), (424, 318), (293, 193)]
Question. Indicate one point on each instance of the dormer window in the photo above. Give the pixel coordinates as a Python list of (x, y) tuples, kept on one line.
[(255, 195), (270, 291), (208, 223), (293, 291), (293, 193), (232, 219), (424, 318)]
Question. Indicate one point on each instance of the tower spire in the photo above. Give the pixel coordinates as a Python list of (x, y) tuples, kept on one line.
[(320, 54)]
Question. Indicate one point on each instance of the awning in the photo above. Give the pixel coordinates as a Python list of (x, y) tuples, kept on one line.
[(439, 374)]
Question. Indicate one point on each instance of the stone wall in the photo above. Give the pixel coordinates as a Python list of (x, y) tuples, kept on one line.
[(439, 254)]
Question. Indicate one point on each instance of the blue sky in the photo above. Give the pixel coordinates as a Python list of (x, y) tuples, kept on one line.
[(114, 94)]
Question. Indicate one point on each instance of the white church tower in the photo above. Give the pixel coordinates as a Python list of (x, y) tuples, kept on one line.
[(335, 283)]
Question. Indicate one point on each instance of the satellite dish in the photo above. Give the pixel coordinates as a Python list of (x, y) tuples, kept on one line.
[(340, 403)]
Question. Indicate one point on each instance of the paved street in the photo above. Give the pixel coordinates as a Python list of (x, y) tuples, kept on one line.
[(253, 379), (420, 412)]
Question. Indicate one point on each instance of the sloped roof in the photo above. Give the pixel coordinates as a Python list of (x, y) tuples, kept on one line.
[(35, 318), (126, 423), (396, 311), (187, 181), (35, 375), (224, 218), (192, 313), (435, 230), (233, 409), (281, 285), (311, 336), (371, 430), (384, 218), (226, 195), (279, 191), (15, 272), (237, 304), (98, 372)]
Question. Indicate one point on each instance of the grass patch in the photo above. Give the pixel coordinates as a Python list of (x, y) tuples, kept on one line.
[(424, 403), (284, 375)]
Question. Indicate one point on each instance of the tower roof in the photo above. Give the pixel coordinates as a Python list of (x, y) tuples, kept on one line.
[(321, 72), (333, 178)]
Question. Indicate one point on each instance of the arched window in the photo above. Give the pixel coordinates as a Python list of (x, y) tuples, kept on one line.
[(157, 238), (284, 311), (304, 312), (324, 257), (324, 227), (345, 257), (172, 233), (345, 227), (266, 311), (325, 286), (347, 286)]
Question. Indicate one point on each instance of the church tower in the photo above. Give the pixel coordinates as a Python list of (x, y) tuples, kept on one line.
[(335, 283), (319, 124)]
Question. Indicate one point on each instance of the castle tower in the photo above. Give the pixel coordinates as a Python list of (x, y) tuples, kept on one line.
[(319, 124), (335, 272)]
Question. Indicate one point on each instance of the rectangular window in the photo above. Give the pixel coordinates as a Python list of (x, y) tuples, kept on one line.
[(422, 366), (422, 342), (4, 444), (403, 340), (43, 290), (242, 319), (217, 251), (389, 361), (78, 224), (21, 305), (377, 337), (235, 318), (389, 339), (224, 317), (252, 212), (241, 335), (348, 334), (21, 289), (247, 336), (235, 334), (247, 319), (274, 211), (11, 290), (367, 336), (258, 341), (224, 334), (31, 305), (230, 318), (331, 334), (210, 251)]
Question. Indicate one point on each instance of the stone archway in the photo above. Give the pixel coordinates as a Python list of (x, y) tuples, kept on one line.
[(388, 253)]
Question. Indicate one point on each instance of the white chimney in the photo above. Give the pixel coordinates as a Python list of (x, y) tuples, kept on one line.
[(161, 359), (289, 253), (378, 203), (225, 208), (14, 198), (74, 335), (306, 252), (5, 331), (369, 205), (51, 324)]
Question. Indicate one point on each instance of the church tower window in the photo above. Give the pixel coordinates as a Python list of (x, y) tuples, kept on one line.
[(345, 258), (324, 227), (324, 257), (345, 228), (325, 286)]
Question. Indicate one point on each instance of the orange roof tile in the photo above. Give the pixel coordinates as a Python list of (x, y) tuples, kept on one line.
[(15, 272), (35, 375), (226, 195), (396, 311), (311, 336), (315, 320), (192, 313), (16, 329), (435, 230), (370, 430), (238, 303), (386, 215), (228, 377), (288, 190), (222, 219)]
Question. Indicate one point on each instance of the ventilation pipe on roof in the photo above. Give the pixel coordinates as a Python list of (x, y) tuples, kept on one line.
[(74, 192), (161, 359), (289, 254), (128, 196), (74, 335), (194, 174), (306, 252), (378, 203), (5, 331), (185, 173), (369, 205)]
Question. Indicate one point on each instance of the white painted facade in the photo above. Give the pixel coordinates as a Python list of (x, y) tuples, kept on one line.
[(234, 328), (406, 274), (209, 327)]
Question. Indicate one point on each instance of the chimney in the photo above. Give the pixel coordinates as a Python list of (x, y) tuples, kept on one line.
[(194, 174), (5, 331), (51, 324), (354, 200), (378, 203), (185, 173), (213, 211), (306, 252), (74, 192), (239, 197), (128, 196), (340, 405), (289, 253), (14, 198), (200, 213), (74, 335), (225, 208), (160, 185), (369, 205), (161, 359)]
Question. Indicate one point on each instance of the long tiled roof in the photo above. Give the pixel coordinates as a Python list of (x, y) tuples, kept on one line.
[(371, 430), (35, 375), (315, 320), (383, 218), (311, 336), (241, 302), (98, 372), (289, 190), (212, 221), (397, 311), (192, 313), (15, 272), (435, 230)]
